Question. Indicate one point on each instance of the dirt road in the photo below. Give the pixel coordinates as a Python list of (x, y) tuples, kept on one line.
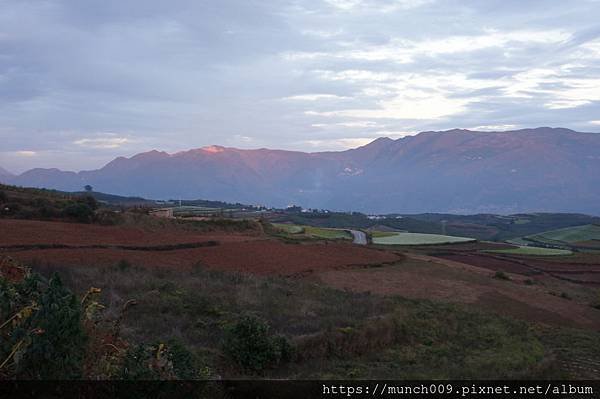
[(360, 238)]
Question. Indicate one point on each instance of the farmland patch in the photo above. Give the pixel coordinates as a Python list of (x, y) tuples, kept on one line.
[(418, 239)]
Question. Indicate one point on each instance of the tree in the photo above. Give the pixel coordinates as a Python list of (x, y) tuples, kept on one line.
[(88, 188)]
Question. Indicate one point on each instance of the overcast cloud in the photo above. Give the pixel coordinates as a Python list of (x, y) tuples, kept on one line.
[(82, 82)]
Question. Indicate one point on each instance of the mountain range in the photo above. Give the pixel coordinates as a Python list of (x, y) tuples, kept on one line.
[(454, 171)]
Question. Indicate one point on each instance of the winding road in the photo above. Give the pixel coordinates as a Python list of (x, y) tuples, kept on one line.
[(360, 237)]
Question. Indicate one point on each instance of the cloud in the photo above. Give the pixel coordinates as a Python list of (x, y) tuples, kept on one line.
[(495, 128), (26, 153), (404, 51), (349, 124), (283, 74), (315, 97), (395, 134), (103, 142), (379, 6), (337, 144)]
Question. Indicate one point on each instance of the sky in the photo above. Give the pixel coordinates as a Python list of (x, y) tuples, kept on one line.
[(82, 82)]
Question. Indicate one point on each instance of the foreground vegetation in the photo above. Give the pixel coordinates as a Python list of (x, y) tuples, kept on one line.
[(164, 324)]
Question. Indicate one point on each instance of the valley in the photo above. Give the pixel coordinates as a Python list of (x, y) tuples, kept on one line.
[(373, 309)]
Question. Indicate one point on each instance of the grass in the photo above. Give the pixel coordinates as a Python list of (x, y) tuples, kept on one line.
[(313, 232), (289, 228), (338, 334), (380, 234), (447, 342), (418, 239), (328, 234), (567, 236), (531, 251)]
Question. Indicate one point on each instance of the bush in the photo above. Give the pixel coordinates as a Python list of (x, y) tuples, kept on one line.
[(3, 196), (89, 201), (79, 211), (159, 361), (52, 340), (249, 343), (123, 265), (501, 275)]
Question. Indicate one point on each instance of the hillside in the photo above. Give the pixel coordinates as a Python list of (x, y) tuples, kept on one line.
[(457, 171), (5, 175)]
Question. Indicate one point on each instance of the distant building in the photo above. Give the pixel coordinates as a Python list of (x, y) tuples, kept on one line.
[(162, 213)]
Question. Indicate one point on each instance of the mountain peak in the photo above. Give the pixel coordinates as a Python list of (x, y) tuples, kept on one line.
[(213, 149)]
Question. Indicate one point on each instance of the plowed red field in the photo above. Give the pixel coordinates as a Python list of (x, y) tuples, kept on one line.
[(31, 232), (259, 256), (234, 252), (488, 262)]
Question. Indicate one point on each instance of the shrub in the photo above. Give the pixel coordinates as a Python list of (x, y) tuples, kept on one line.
[(3, 196), (52, 340), (159, 361), (501, 275), (79, 211), (249, 343), (123, 265), (528, 281), (89, 201)]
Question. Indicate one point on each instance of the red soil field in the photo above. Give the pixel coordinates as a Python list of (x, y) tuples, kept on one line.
[(421, 278), (564, 267), (523, 265), (257, 256), (584, 278), (488, 262), (30, 232)]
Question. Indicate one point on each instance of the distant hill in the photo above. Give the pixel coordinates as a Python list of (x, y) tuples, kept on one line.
[(117, 199), (5, 175), (456, 171)]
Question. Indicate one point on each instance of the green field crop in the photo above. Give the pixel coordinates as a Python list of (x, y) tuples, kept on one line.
[(418, 239), (314, 232), (568, 235), (329, 234), (531, 251), (289, 228), (379, 234)]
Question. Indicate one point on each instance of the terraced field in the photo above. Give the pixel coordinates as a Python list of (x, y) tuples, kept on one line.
[(534, 251), (314, 232), (568, 236), (417, 239)]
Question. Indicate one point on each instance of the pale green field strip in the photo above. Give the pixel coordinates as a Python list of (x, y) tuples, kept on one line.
[(378, 234), (531, 251), (569, 234), (518, 241), (418, 239), (289, 228), (331, 234), (317, 232)]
